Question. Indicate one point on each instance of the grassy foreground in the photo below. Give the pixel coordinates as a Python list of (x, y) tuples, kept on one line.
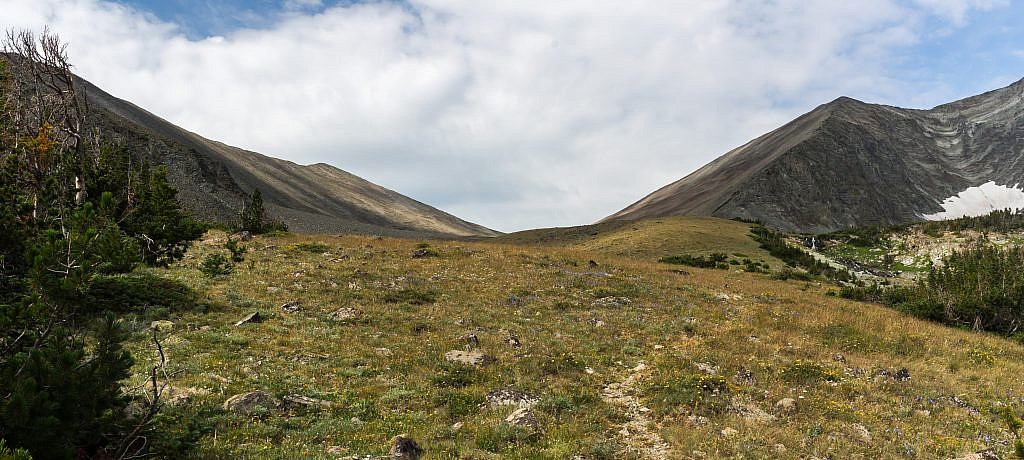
[(719, 350)]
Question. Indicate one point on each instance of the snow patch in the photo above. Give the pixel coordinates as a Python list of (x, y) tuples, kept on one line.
[(980, 200)]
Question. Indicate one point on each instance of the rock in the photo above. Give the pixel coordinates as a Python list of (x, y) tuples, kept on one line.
[(306, 401), (902, 375), (728, 432), (162, 326), (405, 448), (698, 420), (610, 302), (253, 317), (343, 314), (751, 413), (246, 403), (383, 351), (786, 405), (457, 426), (706, 368), (423, 252), (779, 448), (860, 433), (523, 417), (986, 454), (722, 296), (511, 397), (291, 307), (472, 358), (242, 236)]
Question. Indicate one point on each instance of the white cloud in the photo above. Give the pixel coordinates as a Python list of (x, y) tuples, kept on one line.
[(512, 114)]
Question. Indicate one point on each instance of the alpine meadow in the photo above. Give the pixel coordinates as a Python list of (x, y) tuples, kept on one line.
[(844, 285)]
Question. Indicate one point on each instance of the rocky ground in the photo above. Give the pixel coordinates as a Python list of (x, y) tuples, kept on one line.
[(359, 347)]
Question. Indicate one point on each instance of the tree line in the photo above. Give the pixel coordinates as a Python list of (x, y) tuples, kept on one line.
[(77, 212)]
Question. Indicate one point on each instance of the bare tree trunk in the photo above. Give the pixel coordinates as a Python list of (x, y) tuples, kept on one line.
[(49, 100)]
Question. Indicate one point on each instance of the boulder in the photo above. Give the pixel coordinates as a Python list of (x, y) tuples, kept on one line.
[(253, 317), (343, 314), (405, 448), (472, 358), (307, 401), (162, 326), (511, 397), (786, 405), (246, 403), (523, 417)]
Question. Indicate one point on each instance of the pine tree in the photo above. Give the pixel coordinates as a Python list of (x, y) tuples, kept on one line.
[(253, 215)]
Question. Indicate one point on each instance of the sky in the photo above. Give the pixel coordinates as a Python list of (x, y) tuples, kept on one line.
[(519, 114)]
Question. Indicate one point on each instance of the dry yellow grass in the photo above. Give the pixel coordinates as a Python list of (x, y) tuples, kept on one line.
[(651, 239), (581, 328)]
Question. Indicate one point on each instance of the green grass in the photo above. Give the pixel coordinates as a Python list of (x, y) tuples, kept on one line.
[(575, 335), (651, 239)]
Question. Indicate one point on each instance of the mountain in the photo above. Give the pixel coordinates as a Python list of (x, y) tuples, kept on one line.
[(849, 163), (215, 179)]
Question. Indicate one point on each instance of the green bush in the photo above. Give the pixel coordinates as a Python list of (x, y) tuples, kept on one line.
[(411, 296), (807, 372), (715, 260), (215, 265), (699, 394), (980, 288), (237, 250), (776, 245), (504, 437)]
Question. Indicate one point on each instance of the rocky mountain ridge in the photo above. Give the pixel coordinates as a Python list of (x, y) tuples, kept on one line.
[(214, 180), (848, 163)]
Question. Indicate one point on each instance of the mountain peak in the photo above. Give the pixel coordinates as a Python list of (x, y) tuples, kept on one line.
[(881, 166)]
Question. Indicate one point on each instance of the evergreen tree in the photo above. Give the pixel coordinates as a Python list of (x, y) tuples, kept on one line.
[(253, 215), (61, 359)]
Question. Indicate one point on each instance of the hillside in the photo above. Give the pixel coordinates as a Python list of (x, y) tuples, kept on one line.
[(624, 361), (214, 180), (651, 239), (851, 164)]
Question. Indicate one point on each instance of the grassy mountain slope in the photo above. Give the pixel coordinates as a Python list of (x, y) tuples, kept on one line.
[(719, 350), (214, 180), (651, 239)]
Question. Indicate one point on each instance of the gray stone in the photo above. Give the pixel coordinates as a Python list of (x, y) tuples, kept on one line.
[(405, 448), (307, 401), (610, 302), (162, 326), (246, 403), (253, 317), (523, 417), (343, 314), (986, 454), (472, 358), (511, 397), (786, 405)]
